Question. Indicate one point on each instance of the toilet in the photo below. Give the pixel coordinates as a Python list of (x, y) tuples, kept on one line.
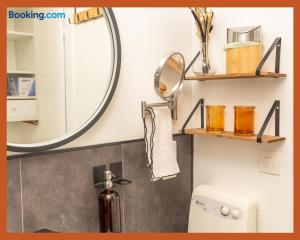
[(215, 210)]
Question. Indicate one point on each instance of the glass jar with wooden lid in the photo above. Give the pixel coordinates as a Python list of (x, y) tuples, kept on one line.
[(244, 120), (215, 118)]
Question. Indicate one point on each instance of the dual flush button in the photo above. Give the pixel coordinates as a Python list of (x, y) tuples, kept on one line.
[(226, 211), (217, 208)]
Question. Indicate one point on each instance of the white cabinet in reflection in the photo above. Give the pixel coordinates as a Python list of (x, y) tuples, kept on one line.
[(22, 101)]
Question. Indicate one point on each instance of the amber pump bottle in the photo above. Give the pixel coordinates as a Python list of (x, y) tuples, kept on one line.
[(109, 207)]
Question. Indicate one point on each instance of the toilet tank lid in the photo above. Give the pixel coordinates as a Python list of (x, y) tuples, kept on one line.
[(233, 197)]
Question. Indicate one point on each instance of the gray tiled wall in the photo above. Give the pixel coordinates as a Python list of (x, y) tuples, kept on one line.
[(56, 191)]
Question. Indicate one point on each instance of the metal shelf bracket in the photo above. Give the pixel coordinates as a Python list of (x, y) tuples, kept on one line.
[(201, 104), (275, 108), (276, 44), (191, 64)]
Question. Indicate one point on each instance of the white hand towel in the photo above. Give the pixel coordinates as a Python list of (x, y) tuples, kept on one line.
[(160, 147)]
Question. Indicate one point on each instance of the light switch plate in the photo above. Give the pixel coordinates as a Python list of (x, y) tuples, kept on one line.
[(269, 162)]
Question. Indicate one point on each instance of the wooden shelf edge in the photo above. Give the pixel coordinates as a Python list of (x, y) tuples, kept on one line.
[(21, 98), (264, 75), (15, 35), (20, 72), (12, 32), (230, 135)]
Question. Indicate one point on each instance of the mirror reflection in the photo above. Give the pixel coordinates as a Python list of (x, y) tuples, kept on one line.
[(169, 76), (59, 70)]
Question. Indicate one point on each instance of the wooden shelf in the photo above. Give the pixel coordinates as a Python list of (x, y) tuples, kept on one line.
[(264, 75), (13, 35), (19, 72), (230, 135), (21, 98)]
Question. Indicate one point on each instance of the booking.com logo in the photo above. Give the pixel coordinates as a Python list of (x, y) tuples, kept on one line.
[(36, 15)]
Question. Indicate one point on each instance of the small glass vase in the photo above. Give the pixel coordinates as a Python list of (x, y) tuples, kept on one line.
[(202, 65)]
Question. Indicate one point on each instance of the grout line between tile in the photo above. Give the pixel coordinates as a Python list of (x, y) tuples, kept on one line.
[(123, 190), (21, 193), (192, 162)]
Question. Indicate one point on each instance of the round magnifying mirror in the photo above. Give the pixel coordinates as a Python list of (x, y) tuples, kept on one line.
[(168, 79)]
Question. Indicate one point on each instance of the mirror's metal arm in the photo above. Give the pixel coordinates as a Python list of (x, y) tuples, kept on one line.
[(172, 104), (174, 108)]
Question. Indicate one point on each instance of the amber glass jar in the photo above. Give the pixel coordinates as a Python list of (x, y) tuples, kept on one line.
[(215, 118), (244, 120)]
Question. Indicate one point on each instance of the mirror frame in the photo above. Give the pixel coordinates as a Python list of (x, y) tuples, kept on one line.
[(157, 76), (60, 141)]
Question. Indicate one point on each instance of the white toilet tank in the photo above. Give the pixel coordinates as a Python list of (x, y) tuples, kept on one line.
[(216, 210)]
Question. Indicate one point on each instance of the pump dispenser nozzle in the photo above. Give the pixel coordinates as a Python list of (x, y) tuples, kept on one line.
[(108, 176)]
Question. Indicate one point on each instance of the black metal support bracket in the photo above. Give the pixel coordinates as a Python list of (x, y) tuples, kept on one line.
[(201, 104), (116, 170), (277, 44), (191, 64), (275, 108)]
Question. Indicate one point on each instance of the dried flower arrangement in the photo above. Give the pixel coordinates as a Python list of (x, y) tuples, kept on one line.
[(203, 19)]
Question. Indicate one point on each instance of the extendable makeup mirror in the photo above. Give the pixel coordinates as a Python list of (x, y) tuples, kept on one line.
[(168, 78), (168, 82)]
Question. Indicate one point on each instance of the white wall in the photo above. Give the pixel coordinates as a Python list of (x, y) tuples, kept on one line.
[(147, 34), (88, 60), (233, 164)]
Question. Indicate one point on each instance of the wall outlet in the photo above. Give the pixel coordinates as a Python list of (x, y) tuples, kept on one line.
[(268, 162)]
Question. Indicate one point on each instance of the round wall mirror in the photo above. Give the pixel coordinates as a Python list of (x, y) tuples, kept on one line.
[(168, 78), (63, 66)]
